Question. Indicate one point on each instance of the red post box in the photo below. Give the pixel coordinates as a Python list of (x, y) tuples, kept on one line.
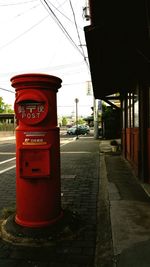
[(38, 187)]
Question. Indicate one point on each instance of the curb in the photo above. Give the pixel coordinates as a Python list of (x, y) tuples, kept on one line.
[(7, 138), (104, 252)]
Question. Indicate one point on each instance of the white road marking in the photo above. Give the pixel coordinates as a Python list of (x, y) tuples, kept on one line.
[(65, 142), (7, 160), (7, 169)]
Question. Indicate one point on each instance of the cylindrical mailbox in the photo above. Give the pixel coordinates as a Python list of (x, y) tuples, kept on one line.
[(38, 186)]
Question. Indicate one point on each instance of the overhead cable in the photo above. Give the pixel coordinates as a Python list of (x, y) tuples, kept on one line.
[(23, 33), (52, 68), (59, 10), (18, 3), (7, 90), (78, 32), (21, 13), (51, 12)]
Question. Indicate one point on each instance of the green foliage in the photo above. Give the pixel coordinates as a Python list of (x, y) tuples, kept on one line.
[(64, 121), (1, 105), (81, 121), (5, 108), (7, 127)]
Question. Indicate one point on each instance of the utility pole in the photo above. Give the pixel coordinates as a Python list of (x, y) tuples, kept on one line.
[(95, 111), (76, 101)]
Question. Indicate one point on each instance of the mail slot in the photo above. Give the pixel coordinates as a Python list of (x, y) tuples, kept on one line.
[(38, 186)]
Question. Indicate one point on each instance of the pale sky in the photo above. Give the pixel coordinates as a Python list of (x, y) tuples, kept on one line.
[(32, 41)]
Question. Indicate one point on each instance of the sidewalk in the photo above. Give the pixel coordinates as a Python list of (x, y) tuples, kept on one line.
[(80, 178), (7, 135), (100, 187), (129, 211)]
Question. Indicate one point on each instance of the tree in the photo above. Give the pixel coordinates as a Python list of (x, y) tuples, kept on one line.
[(64, 121), (1, 105), (5, 108), (81, 121)]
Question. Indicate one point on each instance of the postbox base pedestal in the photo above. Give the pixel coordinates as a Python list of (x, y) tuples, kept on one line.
[(47, 236), (38, 224)]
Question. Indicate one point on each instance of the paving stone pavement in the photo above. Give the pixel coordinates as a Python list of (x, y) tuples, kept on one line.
[(130, 214), (79, 183)]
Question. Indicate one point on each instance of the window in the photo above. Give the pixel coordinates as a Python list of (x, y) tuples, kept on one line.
[(123, 113), (136, 108), (131, 111), (149, 108), (128, 111)]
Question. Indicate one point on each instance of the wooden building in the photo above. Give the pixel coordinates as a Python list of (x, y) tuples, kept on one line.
[(118, 43)]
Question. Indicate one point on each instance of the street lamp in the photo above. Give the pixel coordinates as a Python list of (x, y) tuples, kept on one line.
[(76, 101)]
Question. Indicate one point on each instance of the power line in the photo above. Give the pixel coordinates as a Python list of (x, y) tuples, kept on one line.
[(69, 84), (4, 89), (20, 14), (60, 11), (72, 106), (60, 25), (52, 68), (20, 35), (24, 12), (78, 32), (51, 12), (18, 3), (56, 8)]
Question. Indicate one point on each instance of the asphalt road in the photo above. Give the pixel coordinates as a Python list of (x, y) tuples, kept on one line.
[(8, 151), (79, 189), (7, 155)]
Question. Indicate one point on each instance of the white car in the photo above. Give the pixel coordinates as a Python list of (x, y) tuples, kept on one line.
[(82, 129)]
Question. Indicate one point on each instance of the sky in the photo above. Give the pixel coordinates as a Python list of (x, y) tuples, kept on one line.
[(39, 36)]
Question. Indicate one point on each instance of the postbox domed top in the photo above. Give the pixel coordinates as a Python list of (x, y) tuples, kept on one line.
[(36, 80)]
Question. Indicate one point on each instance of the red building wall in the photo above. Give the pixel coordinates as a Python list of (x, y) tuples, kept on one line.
[(148, 158), (132, 147)]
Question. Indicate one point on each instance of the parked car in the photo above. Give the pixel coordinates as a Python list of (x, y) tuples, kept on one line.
[(82, 129)]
